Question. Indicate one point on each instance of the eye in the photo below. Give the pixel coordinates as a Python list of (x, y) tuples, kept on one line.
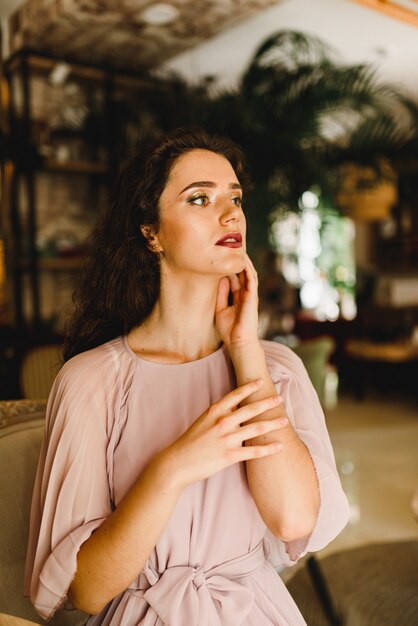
[(237, 200), (200, 199)]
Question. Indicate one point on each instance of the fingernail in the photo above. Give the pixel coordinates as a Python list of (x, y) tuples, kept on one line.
[(277, 399), (284, 421), (259, 382)]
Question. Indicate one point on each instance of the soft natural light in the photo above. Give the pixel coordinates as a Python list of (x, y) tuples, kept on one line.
[(317, 250)]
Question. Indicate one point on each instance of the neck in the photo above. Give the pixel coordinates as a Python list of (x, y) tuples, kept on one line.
[(181, 326)]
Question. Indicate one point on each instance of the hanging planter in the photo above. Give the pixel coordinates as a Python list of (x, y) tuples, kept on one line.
[(367, 195)]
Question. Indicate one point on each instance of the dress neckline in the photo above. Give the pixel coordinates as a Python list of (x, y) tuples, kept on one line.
[(205, 359)]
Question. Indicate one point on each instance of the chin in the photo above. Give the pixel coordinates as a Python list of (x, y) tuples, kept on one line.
[(232, 263), (234, 266)]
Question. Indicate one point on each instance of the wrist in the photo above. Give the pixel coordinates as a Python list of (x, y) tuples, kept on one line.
[(245, 343), (249, 362), (167, 472), (243, 351)]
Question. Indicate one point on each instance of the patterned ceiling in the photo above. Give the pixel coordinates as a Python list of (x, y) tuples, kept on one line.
[(113, 32)]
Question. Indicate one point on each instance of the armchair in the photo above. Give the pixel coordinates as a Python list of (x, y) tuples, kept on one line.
[(21, 434)]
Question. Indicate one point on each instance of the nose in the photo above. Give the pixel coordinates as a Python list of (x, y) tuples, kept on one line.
[(230, 212)]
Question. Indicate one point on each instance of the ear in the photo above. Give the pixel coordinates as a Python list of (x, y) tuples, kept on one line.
[(146, 231), (150, 236)]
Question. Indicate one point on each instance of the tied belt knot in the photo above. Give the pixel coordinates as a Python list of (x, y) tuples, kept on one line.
[(186, 594)]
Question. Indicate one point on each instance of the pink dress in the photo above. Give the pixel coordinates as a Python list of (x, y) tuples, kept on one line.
[(109, 412)]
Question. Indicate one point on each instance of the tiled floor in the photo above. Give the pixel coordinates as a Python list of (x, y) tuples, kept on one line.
[(376, 447)]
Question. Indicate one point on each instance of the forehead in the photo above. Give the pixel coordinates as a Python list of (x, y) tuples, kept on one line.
[(201, 165)]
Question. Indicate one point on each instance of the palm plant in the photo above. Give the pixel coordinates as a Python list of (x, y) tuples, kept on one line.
[(299, 116)]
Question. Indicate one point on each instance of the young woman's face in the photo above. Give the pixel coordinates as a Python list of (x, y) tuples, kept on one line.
[(200, 208)]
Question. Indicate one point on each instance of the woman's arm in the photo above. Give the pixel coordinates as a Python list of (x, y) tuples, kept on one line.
[(114, 555), (284, 485)]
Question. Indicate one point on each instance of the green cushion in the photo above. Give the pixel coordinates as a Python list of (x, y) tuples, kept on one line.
[(315, 355)]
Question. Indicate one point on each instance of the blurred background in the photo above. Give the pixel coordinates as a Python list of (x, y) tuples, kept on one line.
[(322, 95)]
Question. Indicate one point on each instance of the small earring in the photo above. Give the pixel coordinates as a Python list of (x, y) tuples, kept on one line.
[(157, 250)]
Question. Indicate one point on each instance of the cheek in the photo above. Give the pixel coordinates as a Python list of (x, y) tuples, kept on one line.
[(171, 232), (180, 241)]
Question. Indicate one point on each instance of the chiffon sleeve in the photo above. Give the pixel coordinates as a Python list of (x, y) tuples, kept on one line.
[(73, 488), (306, 415)]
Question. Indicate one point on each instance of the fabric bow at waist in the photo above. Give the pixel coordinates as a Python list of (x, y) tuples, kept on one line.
[(189, 595)]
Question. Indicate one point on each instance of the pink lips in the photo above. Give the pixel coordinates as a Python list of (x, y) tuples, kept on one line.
[(231, 240)]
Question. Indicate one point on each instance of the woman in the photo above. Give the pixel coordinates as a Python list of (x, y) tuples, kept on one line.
[(183, 456)]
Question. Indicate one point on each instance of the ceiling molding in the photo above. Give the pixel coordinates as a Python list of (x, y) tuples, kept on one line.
[(403, 12)]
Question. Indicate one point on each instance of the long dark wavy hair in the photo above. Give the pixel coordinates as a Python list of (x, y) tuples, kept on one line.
[(121, 275)]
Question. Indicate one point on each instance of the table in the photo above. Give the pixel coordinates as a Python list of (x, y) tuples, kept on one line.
[(366, 352), (10, 620), (388, 351)]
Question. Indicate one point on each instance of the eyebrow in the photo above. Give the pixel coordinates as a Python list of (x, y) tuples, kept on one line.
[(208, 183)]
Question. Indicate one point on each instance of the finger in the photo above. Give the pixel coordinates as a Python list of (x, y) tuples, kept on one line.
[(252, 267), (242, 279), (253, 409), (252, 272), (235, 290), (223, 292), (246, 453), (234, 397), (235, 287), (256, 429), (251, 278)]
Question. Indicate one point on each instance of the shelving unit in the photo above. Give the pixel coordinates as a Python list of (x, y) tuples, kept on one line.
[(69, 126), (54, 263), (80, 167), (58, 170)]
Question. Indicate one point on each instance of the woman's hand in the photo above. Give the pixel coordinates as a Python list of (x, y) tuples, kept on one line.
[(237, 323), (214, 441)]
